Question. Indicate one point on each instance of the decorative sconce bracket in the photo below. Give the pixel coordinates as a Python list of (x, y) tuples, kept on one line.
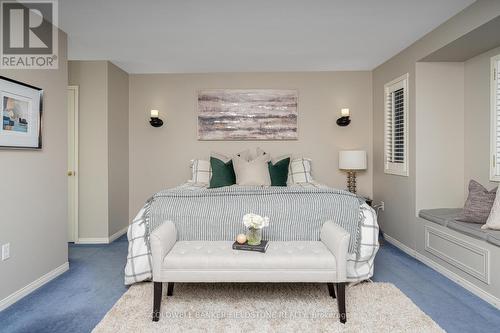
[(343, 121), (156, 122)]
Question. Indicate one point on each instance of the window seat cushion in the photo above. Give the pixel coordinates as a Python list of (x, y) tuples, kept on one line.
[(440, 215), (493, 237), (469, 228), (447, 218)]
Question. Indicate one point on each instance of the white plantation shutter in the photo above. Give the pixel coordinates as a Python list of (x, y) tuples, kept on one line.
[(396, 127), (495, 120)]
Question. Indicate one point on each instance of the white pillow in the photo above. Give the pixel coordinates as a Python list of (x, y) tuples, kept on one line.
[(201, 172), (299, 171), (245, 154), (252, 173), (493, 221), (259, 152), (273, 160)]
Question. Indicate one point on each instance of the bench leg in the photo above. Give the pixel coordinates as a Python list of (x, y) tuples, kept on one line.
[(157, 300), (170, 289), (331, 289), (341, 301)]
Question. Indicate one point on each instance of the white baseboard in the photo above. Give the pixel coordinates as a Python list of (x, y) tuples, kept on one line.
[(118, 234), (16, 296), (93, 240), (401, 246), (493, 300), (102, 240)]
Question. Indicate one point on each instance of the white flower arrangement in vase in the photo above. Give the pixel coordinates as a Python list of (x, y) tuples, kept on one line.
[(255, 223)]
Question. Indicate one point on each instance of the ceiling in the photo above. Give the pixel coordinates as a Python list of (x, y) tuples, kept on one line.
[(197, 36)]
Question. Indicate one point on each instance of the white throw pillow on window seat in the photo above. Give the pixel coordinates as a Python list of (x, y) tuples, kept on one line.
[(493, 221)]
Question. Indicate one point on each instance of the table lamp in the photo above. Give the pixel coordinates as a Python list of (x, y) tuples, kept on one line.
[(351, 161)]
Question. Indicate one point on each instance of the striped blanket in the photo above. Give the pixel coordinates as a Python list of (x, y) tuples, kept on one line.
[(295, 212)]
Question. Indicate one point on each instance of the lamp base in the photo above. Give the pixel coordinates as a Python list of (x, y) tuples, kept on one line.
[(156, 122), (351, 181)]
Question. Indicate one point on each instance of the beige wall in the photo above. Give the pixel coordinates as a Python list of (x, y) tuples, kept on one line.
[(103, 148), (118, 147), (159, 157), (91, 78), (398, 220), (439, 157), (33, 198), (477, 118)]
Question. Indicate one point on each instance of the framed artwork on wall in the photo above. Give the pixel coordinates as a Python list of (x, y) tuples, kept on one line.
[(21, 114), (247, 114)]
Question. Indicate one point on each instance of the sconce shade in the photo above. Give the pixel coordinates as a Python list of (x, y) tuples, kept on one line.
[(155, 120), (344, 119), (352, 160)]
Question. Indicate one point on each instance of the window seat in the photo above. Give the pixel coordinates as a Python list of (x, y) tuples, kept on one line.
[(440, 215), (447, 218)]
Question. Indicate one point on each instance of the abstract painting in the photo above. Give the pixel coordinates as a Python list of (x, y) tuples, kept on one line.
[(15, 114), (250, 114)]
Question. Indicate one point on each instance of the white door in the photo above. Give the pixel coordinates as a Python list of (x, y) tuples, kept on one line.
[(72, 163)]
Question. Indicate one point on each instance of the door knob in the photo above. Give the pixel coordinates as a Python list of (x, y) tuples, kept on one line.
[(70, 173)]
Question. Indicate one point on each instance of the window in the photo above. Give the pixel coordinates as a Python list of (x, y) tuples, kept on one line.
[(495, 119), (396, 127)]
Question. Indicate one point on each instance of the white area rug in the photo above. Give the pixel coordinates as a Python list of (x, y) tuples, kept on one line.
[(371, 307)]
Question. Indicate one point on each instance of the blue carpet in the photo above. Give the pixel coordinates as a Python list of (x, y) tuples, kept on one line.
[(454, 308), (77, 300)]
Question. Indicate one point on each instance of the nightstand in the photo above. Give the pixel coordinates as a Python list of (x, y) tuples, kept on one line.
[(368, 201)]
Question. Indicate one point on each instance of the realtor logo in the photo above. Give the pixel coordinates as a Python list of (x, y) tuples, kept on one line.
[(29, 34)]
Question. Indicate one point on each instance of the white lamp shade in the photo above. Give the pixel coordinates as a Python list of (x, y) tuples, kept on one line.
[(352, 159)]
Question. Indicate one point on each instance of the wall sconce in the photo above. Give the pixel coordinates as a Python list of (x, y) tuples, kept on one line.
[(344, 119), (155, 120)]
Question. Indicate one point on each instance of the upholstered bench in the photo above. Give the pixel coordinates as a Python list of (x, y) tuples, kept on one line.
[(215, 261)]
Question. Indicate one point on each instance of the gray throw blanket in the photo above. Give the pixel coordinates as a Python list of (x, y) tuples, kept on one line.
[(295, 213)]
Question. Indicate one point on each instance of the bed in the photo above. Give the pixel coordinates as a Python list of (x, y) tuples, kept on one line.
[(296, 212)]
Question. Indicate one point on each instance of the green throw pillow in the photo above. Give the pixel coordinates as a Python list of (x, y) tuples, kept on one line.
[(279, 172), (222, 173)]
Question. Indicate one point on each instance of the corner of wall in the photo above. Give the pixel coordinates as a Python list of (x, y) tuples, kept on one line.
[(118, 149)]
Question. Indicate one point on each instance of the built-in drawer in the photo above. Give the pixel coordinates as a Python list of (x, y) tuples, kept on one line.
[(467, 257)]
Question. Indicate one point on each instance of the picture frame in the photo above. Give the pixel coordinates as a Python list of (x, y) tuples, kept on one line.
[(21, 110), (247, 114)]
